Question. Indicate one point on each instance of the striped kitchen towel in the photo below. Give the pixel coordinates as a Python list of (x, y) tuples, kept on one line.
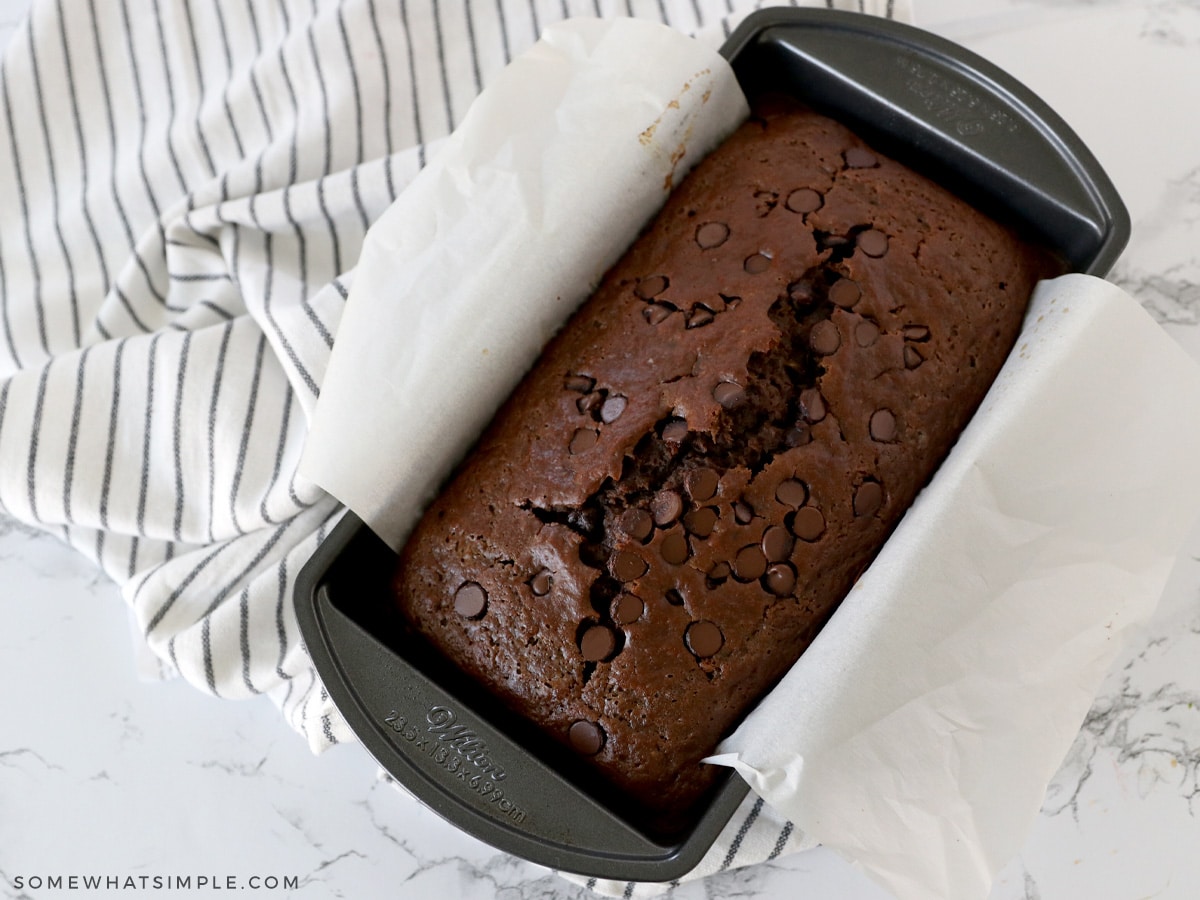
[(185, 188)]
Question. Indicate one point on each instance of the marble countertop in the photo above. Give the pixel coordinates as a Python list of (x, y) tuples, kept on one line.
[(102, 773)]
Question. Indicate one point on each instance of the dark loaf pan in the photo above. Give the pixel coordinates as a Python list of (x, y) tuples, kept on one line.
[(922, 100)]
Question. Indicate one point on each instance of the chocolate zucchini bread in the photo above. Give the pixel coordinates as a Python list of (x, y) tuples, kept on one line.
[(666, 511)]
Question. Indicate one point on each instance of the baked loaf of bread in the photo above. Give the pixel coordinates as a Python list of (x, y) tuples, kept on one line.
[(702, 462)]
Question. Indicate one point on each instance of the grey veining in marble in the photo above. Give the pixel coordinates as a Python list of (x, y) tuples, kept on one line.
[(1146, 726)]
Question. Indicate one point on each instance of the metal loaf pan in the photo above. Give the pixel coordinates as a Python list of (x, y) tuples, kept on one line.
[(916, 97)]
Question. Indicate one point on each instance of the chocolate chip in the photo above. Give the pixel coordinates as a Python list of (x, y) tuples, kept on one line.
[(912, 357), (637, 523), (712, 234), (657, 313), (868, 498), (594, 556), (792, 492), (860, 158), (704, 639), (699, 316), (674, 548), (883, 425), (628, 608), (757, 264), (597, 643), (701, 484), (589, 402), (916, 332), (675, 430), (470, 600), (798, 435), (728, 394), (673, 597), (666, 507), (872, 242), (845, 293), (625, 565), (583, 440), (803, 200), (800, 291), (780, 579), (649, 288), (777, 543), (719, 572), (701, 522), (743, 512), (541, 582), (749, 563), (612, 408), (866, 333), (812, 405), (824, 338), (808, 524), (586, 737), (579, 383)]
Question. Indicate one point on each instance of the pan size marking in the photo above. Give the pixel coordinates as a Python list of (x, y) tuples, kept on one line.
[(459, 752), (952, 102)]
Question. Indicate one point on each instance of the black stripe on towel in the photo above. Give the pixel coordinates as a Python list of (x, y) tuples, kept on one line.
[(781, 841), (736, 843)]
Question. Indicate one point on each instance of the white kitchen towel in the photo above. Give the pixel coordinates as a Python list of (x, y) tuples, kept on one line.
[(184, 191)]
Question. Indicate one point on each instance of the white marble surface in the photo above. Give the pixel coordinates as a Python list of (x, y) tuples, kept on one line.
[(103, 774)]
